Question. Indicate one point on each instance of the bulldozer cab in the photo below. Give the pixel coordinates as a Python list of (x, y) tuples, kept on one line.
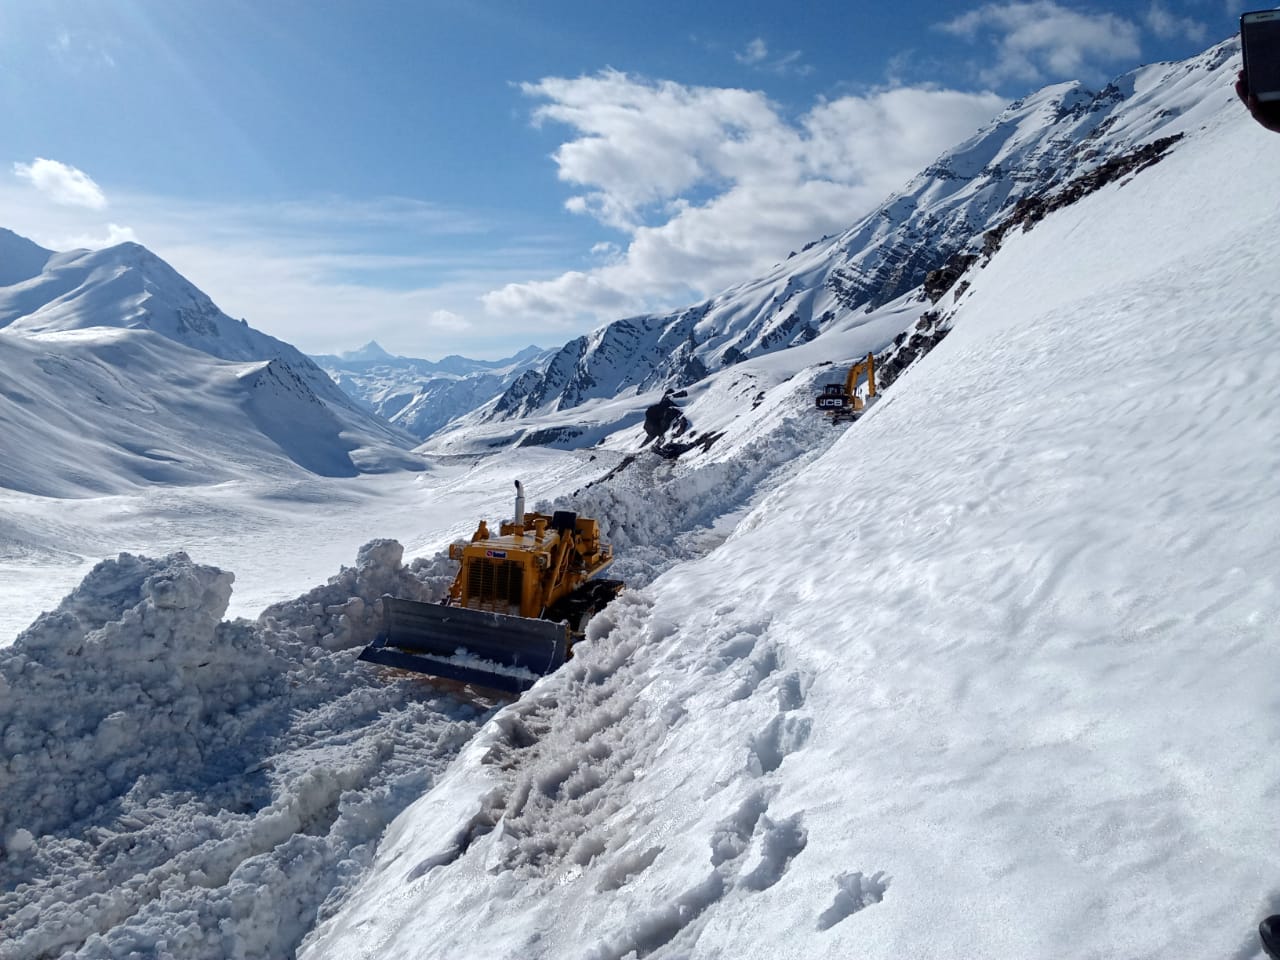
[(518, 602)]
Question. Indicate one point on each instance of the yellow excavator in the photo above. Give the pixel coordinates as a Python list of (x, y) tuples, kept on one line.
[(840, 401), (517, 605)]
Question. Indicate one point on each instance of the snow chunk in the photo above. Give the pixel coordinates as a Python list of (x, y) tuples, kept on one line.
[(139, 651), (178, 786), (20, 841), (347, 611)]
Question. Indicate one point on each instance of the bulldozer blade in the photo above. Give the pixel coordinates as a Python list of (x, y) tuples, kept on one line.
[(472, 646)]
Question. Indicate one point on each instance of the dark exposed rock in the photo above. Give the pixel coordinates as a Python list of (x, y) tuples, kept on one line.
[(544, 438), (1029, 211), (937, 282), (673, 450), (662, 418)]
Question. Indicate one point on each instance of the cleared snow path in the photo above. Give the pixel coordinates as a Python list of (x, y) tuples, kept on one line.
[(179, 786)]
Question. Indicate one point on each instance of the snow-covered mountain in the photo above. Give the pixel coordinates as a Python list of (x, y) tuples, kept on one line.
[(1044, 146), (423, 396), (992, 678), (989, 674), (117, 371)]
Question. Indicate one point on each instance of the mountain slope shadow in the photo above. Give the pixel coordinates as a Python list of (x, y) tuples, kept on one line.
[(288, 412)]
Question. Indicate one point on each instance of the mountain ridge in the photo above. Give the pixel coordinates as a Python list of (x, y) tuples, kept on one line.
[(1034, 146), (115, 334)]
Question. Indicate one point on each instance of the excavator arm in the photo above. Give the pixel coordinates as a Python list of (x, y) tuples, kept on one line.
[(842, 403)]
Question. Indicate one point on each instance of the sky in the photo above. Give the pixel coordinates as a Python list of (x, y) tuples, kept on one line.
[(462, 177)]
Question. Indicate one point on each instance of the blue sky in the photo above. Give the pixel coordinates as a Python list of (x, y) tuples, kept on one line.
[(470, 177)]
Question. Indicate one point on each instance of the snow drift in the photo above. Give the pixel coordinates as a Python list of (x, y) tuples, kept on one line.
[(179, 786)]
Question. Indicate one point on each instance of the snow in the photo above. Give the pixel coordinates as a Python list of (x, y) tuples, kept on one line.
[(993, 677), (217, 783), (989, 673)]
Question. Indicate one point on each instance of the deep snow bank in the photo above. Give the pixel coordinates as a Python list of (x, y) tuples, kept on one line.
[(178, 786)]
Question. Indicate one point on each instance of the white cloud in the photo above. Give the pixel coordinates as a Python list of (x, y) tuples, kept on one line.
[(757, 51), (1041, 40), (93, 241), (1167, 25), (711, 184), (312, 273), (62, 183), (77, 54), (756, 55)]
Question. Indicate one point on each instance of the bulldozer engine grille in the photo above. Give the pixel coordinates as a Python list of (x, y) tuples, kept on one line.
[(495, 584)]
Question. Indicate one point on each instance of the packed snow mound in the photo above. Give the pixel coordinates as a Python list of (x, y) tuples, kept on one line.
[(345, 612), (140, 649), (177, 786)]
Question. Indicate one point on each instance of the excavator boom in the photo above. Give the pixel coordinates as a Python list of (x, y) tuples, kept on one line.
[(841, 402)]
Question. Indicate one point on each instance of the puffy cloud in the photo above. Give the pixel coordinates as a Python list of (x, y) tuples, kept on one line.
[(1041, 39), (711, 185), (62, 183), (1167, 25), (642, 142), (115, 234)]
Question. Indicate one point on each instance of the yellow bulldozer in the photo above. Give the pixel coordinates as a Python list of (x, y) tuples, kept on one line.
[(517, 605), (840, 401)]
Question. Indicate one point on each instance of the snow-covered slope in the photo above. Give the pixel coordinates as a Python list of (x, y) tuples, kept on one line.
[(988, 674), (993, 678), (20, 259), (422, 396), (1034, 147), (116, 371)]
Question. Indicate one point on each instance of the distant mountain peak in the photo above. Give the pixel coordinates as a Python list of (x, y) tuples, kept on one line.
[(370, 351), (20, 259)]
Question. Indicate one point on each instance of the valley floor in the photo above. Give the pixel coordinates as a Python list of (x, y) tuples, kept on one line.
[(279, 537)]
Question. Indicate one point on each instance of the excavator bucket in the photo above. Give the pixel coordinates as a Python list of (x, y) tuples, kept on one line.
[(472, 646)]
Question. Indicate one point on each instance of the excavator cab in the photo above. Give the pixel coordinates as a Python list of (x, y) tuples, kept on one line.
[(840, 401)]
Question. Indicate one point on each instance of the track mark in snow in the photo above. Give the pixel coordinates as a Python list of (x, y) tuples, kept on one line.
[(749, 853), (779, 844), (855, 892), (730, 838), (783, 736), (655, 930), (626, 866), (480, 824), (760, 667), (792, 691)]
